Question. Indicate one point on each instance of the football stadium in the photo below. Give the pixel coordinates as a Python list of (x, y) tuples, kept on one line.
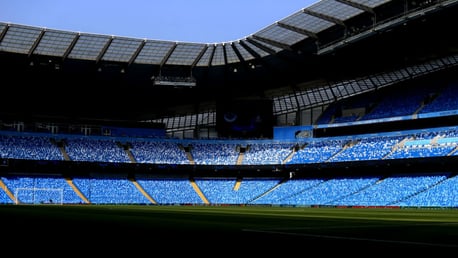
[(331, 130)]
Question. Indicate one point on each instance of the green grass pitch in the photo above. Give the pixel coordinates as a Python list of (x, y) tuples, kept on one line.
[(255, 229)]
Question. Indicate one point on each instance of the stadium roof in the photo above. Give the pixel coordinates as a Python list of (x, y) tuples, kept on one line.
[(130, 78), (282, 35)]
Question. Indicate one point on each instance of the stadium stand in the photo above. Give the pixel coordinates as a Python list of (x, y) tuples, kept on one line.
[(381, 133)]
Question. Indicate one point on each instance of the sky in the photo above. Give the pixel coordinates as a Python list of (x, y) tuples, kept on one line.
[(199, 21)]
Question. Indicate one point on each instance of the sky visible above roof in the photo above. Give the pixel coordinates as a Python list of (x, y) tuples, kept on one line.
[(200, 21)]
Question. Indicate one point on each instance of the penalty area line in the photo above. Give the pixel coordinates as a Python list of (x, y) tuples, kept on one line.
[(349, 238)]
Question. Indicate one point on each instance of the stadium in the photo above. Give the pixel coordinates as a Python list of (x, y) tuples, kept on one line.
[(342, 108)]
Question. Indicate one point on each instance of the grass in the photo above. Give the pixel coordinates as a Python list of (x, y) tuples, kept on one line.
[(253, 229)]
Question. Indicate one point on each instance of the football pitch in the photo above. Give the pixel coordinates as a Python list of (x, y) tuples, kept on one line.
[(255, 229)]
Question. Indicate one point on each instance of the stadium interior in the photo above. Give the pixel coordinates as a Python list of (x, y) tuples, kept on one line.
[(342, 103)]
